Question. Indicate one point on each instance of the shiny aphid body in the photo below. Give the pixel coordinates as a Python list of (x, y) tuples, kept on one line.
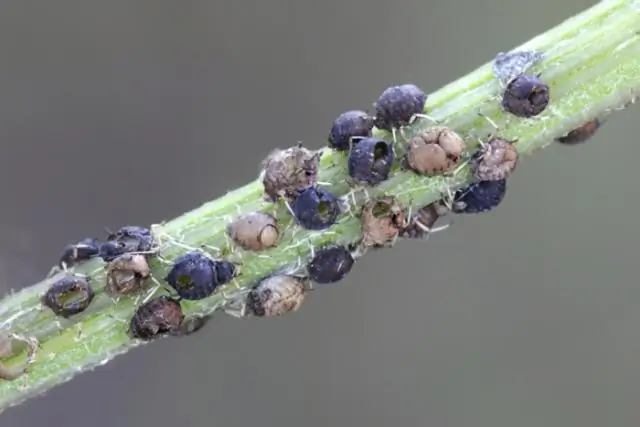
[(126, 275), (479, 197), (68, 295), (348, 128), (84, 250), (156, 318), (397, 105), (195, 275), (330, 264), (127, 239), (277, 295), (370, 161), (316, 208), (526, 96)]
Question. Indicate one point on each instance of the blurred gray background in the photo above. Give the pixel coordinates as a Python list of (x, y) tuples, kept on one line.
[(122, 112)]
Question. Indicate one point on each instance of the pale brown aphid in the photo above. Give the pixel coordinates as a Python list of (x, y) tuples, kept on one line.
[(434, 151), (255, 231), (6, 350), (277, 295), (287, 172), (497, 159), (421, 224), (382, 220), (126, 275)]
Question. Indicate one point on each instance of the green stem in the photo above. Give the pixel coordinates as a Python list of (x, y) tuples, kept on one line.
[(592, 65)]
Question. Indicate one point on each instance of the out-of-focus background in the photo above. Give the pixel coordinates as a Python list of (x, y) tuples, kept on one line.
[(119, 112)]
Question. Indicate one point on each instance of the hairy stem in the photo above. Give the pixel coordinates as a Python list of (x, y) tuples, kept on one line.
[(592, 66)]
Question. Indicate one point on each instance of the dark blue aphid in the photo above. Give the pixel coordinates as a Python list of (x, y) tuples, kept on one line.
[(370, 161), (397, 105), (195, 275), (479, 197), (316, 208), (127, 239), (348, 127), (331, 264), (84, 250)]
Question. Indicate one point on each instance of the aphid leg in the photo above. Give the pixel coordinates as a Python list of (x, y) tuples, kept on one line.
[(423, 116), (153, 290), (288, 206)]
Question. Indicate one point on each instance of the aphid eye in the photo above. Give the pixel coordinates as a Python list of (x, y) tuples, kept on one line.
[(287, 172), (526, 96), (479, 197), (69, 295), (316, 208), (370, 161), (397, 105), (277, 295), (330, 264), (348, 127)]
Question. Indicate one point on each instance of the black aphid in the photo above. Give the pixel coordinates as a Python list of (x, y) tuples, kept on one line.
[(195, 275), (84, 250), (479, 197), (68, 295), (526, 96), (156, 318), (316, 208), (370, 161), (127, 239), (349, 127), (397, 106), (330, 264)]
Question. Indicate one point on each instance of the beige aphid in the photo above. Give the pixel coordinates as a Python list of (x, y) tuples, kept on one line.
[(254, 231)]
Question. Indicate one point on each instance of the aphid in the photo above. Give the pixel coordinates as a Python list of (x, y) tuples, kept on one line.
[(191, 325), (316, 208), (287, 172), (370, 161), (581, 133), (68, 295), (6, 350), (84, 250), (507, 66), (479, 197), (126, 275), (434, 151), (277, 295), (382, 221), (349, 127), (496, 160), (398, 105), (255, 231), (195, 275), (127, 239), (526, 96), (330, 264), (422, 223), (156, 318)]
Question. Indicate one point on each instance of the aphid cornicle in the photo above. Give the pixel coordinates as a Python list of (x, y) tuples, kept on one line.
[(287, 172), (348, 128), (433, 151), (526, 96), (126, 275), (397, 105), (156, 318), (277, 295), (382, 221), (127, 239), (316, 208), (479, 197), (84, 250), (496, 160), (330, 264), (254, 231), (370, 161), (580, 134), (195, 275), (69, 295)]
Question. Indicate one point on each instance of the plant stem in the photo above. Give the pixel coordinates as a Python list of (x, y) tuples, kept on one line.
[(592, 66)]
